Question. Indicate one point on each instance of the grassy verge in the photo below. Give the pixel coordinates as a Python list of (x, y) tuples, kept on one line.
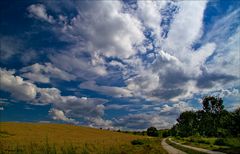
[(227, 145), (187, 150)]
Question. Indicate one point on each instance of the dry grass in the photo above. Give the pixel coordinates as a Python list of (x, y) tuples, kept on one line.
[(62, 138)]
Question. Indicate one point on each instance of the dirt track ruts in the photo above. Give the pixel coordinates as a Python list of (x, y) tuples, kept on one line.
[(170, 149)]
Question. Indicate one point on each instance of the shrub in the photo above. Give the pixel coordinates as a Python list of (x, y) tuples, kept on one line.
[(152, 131), (203, 141), (219, 141), (137, 142), (165, 134)]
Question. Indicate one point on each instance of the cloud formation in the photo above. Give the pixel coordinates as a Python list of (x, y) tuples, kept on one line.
[(90, 110), (142, 55), (43, 73), (15, 85), (39, 11)]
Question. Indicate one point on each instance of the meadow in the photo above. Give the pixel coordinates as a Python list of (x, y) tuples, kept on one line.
[(62, 138)]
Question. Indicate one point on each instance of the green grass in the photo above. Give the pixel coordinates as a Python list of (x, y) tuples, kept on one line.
[(227, 145), (187, 150)]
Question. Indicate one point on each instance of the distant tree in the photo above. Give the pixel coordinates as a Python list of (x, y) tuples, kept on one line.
[(152, 131)]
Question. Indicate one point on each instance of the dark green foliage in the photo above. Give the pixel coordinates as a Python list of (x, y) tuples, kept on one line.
[(212, 104), (235, 123), (152, 131), (213, 121), (219, 141), (166, 134), (187, 123), (203, 141), (137, 142)]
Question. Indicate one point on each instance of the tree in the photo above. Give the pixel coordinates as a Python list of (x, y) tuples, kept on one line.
[(152, 131), (187, 123), (213, 104), (212, 120), (235, 127)]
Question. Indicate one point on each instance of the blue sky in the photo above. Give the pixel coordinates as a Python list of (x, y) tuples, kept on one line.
[(116, 64)]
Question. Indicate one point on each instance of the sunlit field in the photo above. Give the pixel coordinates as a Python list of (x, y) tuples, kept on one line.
[(62, 138)]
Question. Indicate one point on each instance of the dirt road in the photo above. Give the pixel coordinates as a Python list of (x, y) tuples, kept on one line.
[(170, 149), (197, 149)]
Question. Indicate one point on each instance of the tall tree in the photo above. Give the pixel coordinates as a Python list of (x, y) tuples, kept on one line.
[(213, 104), (187, 123)]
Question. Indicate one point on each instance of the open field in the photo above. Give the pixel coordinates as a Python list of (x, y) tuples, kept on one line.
[(62, 138)]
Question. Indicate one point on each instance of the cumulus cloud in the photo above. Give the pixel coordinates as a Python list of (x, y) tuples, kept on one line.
[(43, 73), (174, 73), (150, 52), (39, 11), (59, 115), (181, 35), (15, 85), (90, 110), (114, 35), (83, 67), (149, 13), (106, 90)]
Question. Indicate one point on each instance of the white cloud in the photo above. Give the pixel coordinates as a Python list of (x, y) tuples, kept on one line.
[(106, 90), (89, 109), (159, 116), (106, 43), (59, 115), (43, 73), (15, 85), (39, 11), (79, 66), (143, 121), (226, 58), (109, 31), (186, 28), (149, 13), (100, 123)]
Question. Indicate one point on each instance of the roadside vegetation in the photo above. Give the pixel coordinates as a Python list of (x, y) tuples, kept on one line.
[(227, 145), (187, 150), (212, 128)]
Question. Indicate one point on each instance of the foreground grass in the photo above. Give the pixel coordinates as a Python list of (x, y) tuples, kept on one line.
[(31, 138), (227, 145)]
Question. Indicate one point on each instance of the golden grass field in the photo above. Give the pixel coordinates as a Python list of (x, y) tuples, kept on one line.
[(63, 138)]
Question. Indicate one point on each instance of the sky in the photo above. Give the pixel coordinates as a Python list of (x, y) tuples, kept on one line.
[(116, 64)]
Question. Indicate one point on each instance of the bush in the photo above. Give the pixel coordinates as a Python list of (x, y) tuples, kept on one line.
[(219, 141), (165, 134), (203, 141), (152, 131), (137, 142)]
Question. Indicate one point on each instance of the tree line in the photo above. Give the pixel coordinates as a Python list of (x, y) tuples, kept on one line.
[(212, 121)]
